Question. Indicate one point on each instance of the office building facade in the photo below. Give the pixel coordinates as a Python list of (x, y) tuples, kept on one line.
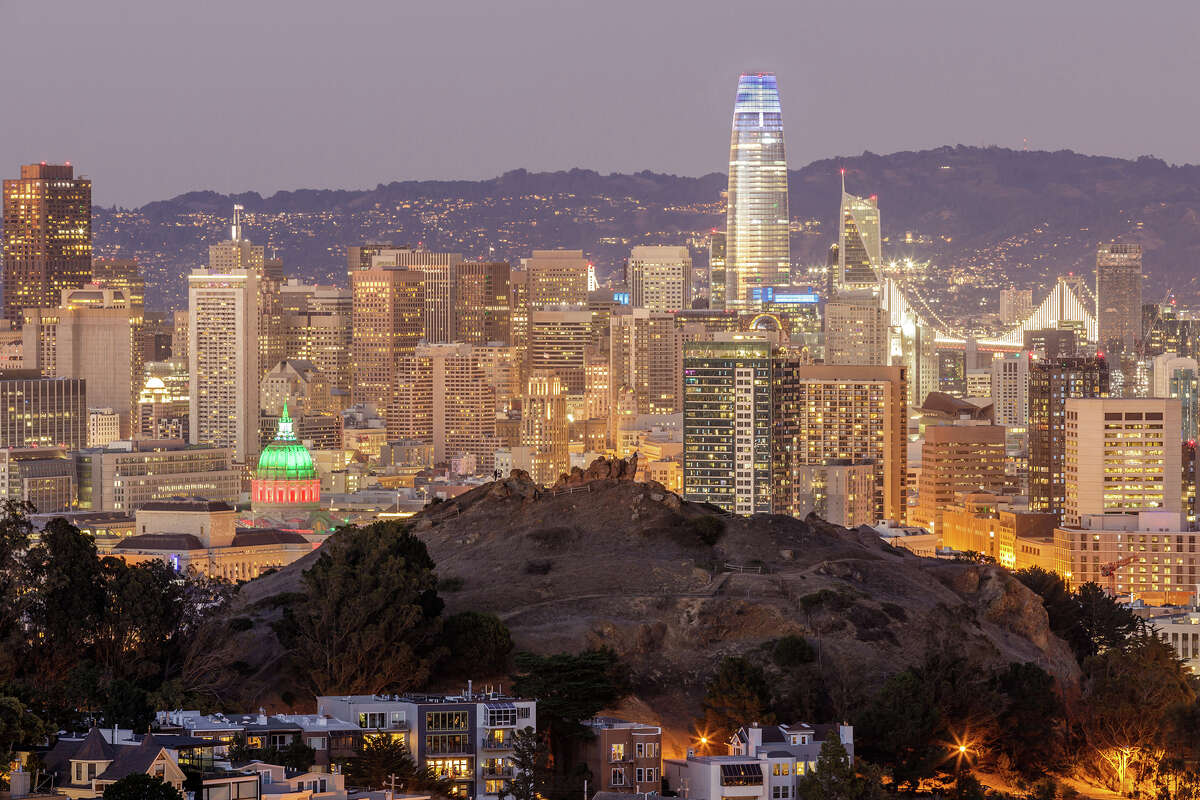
[(1051, 383)]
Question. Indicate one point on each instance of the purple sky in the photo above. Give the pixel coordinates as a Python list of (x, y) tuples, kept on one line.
[(151, 98)]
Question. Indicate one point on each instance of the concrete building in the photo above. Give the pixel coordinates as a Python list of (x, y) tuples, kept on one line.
[(659, 278), (557, 340), (47, 236), (957, 459), (1175, 376), (126, 475), (544, 427), (856, 332), (104, 426), (1010, 390), (224, 369), (978, 383), (1016, 305), (1119, 296), (1051, 383), (623, 757), (992, 526), (164, 404), (388, 322), (318, 327), (437, 311), (42, 412), (841, 492), (716, 271), (299, 384), (482, 302), (645, 365), (43, 476), (555, 278), (1122, 456)]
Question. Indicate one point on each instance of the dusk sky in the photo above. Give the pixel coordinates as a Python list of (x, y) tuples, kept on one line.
[(153, 98)]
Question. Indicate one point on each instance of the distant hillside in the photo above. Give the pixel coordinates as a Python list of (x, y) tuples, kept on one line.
[(986, 216)]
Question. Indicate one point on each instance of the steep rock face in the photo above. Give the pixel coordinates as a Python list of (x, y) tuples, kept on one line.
[(622, 564)]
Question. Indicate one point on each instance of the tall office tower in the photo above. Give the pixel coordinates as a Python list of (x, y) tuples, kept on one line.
[(660, 278), (42, 412), (556, 278), (645, 365), (298, 385), (437, 287), (179, 335), (47, 236), (716, 271), (223, 320), (125, 275), (825, 413), (544, 427), (1122, 456), (482, 297), (1015, 305), (1051, 383), (832, 260), (388, 322), (237, 254), (318, 327), (361, 256), (856, 332), (859, 243), (1010, 390), (502, 365), (1119, 296), (727, 423), (956, 459), (597, 390), (1174, 376), (557, 339), (90, 335), (518, 304), (757, 244), (444, 397)]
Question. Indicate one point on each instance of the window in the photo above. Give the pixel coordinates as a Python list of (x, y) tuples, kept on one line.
[(502, 717), (371, 720), (316, 742), (618, 777), (446, 721), (437, 744), (616, 752), (523, 712), (651, 774), (640, 774), (640, 750)]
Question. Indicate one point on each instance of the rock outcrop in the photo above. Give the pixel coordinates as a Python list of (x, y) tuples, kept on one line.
[(602, 469)]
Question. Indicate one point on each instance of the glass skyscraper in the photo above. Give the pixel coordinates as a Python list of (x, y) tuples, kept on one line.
[(859, 255), (756, 235)]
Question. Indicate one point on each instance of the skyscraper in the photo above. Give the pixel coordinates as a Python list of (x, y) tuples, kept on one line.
[(389, 306), (544, 427), (482, 298), (716, 271), (660, 278), (1119, 296), (556, 278), (645, 363), (435, 269), (1051, 382), (757, 247), (859, 243), (47, 236)]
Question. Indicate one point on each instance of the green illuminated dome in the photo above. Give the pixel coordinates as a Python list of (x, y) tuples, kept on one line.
[(285, 458)]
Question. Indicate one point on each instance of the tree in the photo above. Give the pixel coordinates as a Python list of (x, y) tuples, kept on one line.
[(126, 705), (141, 786), (382, 758), (569, 688), (18, 726), (737, 695), (834, 778), (478, 644), (529, 765), (15, 530), (1105, 623), (368, 619), (1062, 607), (142, 621), (1032, 706)]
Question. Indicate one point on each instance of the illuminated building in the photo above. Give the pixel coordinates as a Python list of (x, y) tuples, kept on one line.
[(557, 339), (1119, 296), (1016, 305), (556, 278), (224, 371), (660, 278), (1010, 390), (47, 236), (797, 308), (646, 360), (164, 404), (124, 275), (716, 270), (126, 475), (859, 243), (544, 427), (727, 423), (42, 412), (1051, 382), (237, 254), (43, 476), (1121, 456), (988, 524), (318, 327), (438, 313), (1174, 376), (856, 333), (444, 396), (285, 480), (840, 492), (482, 297), (104, 426), (298, 383), (757, 245), (389, 306), (957, 459), (825, 413)]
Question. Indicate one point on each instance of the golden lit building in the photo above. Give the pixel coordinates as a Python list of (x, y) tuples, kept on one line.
[(957, 459), (389, 307), (985, 523), (557, 340), (646, 363), (556, 278), (482, 298), (660, 277), (544, 427), (47, 236)]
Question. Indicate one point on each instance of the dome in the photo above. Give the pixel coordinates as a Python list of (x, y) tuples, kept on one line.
[(155, 383), (285, 458)]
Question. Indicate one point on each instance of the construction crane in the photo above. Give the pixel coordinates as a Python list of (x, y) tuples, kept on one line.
[(1110, 571)]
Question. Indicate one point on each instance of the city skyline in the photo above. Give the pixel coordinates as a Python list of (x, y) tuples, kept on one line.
[(276, 66)]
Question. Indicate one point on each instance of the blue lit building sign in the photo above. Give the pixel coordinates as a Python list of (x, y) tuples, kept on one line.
[(768, 294), (621, 297)]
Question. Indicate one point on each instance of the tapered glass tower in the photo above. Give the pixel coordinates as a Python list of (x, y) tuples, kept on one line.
[(756, 234), (859, 256)]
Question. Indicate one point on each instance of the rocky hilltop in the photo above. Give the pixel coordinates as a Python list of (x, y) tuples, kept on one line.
[(599, 560)]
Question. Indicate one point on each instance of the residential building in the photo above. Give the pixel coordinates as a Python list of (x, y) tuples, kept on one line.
[(1010, 390), (104, 426), (1122, 455), (1051, 382), (224, 370), (126, 475), (557, 339), (915, 539), (1016, 305), (757, 243), (840, 491), (47, 236), (85, 768), (645, 364), (544, 428), (318, 327), (438, 301), (330, 738), (957, 459), (623, 757), (660, 278), (389, 310), (41, 412), (856, 332)]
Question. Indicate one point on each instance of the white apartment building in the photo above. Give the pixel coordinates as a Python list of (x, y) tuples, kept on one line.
[(1010, 390), (660, 277)]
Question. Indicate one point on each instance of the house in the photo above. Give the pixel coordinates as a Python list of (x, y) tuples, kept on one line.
[(279, 783), (330, 738), (623, 757), (84, 767)]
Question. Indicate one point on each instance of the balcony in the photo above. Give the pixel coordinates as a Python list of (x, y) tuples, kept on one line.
[(498, 772), (496, 743)]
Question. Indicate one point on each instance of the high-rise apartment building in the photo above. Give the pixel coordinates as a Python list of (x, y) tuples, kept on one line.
[(1016, 305), (1051, 383), (482, 302), (444, 396), (1119, 296), (826, 413), (1121, 456), (437, 318), (859, 243), (727, 423), (645, 365), (716, 270), (318, 327), (42, 412), (544, 427), (388, 322), (856, 332), (1010, 390), (660, 278), (757, 244), (557, 339), (556, 278), (957, 459), (47, 236), (163, 408), (223, 347)]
